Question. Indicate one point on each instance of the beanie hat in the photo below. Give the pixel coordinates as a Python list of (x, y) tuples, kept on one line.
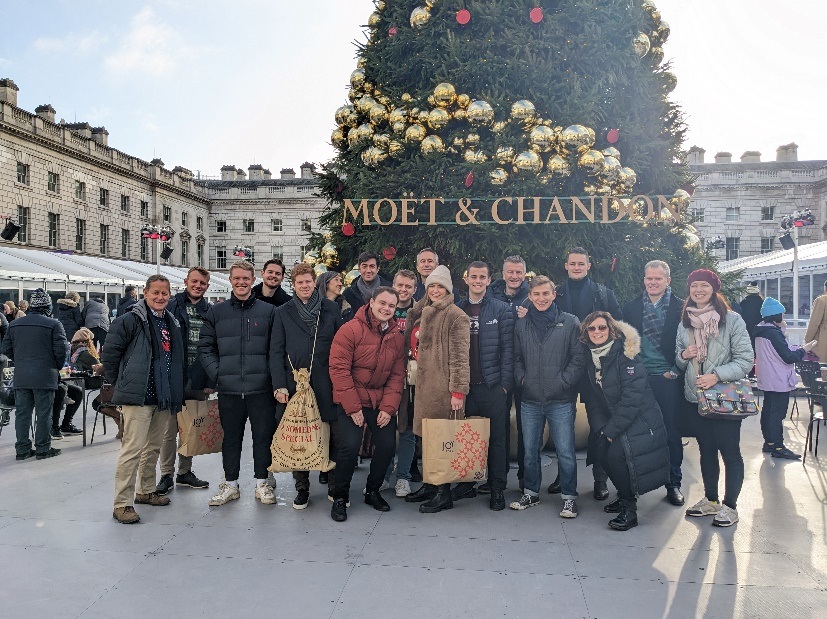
[(324, 279), (40, 302), (82, 335), (442, 276), (771, 307), (704, 275), (753, 289)]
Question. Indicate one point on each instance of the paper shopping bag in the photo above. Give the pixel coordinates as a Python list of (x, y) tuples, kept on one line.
[(455, 450), (199, 428), (302, 440)]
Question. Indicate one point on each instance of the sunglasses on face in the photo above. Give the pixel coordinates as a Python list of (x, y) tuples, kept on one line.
[(593, 328)]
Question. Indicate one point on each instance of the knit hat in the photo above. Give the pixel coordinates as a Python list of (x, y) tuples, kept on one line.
[(751, 289), (324, 279), (704, 275), (442, 276), (40, 302), (82, 335), (771, 307)]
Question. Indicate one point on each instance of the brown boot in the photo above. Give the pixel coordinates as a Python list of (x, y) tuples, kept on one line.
[(153, 498), (126, 515)]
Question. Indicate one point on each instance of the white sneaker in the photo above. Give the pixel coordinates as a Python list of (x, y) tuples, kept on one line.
[(569, 509), (385, 486), (704, 507), (403, 487), (271, 480), (726, 517), (264, 493), (226, 493)]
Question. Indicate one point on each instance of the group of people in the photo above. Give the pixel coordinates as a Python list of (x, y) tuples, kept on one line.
[(388, 354)]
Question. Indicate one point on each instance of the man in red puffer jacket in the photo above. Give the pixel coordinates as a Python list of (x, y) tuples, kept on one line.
[(367, 370)]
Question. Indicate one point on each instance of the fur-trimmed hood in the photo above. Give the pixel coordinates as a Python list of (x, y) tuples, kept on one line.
[(631, 339), (67, 302)]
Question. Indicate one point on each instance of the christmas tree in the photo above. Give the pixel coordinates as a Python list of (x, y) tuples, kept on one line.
[(484, 99)]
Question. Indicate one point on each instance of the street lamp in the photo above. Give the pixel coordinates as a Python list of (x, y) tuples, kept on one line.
[(789, 240), (717, 243), (162, 234)]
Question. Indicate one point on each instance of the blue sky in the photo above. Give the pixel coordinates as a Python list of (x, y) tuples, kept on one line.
[(202, 84)]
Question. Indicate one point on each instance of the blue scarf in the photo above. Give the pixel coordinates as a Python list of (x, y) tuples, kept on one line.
[(652, 323), (541, 322)]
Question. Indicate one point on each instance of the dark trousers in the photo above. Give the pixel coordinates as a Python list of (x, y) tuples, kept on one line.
[(586, 392), (350, 435), (234, 410), (515, 396), (26, 402), (669, 395), (613, 460), (302, 478), (721, 436), (490, 402), (76, 394), (100, 335), (772, 414)]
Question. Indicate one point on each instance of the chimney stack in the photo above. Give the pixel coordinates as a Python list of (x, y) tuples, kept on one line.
[(723, 157), (256, 172), (787, 152), (46, 112), (266, 174), (228, 173), (696, 155), (307, 169), (8, 91), (100, 135), (240, 175), (288, 174), (751, 156)]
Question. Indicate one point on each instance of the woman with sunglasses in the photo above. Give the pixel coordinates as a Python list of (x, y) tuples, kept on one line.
[(631, 444)]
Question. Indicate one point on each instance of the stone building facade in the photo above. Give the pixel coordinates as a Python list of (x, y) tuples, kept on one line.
[(744, 202)]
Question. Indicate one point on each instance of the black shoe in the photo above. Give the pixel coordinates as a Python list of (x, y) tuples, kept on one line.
[(302, 499), (554, 488), (416, 475), (627, 518), (497, 501), (323, 478), (484, 488), (425, 492), (25, 456), (164, 485), (601, 491), (674, 496), (612, 507), (70, 429), (464, 490), (339, 510), (767, 447), (56, 434), (441, 500), (5, 418), (783, 452), (189, 479), (375, 500), (47, 454)]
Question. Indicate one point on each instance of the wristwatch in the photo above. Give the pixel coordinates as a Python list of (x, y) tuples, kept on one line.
[(673, 374)]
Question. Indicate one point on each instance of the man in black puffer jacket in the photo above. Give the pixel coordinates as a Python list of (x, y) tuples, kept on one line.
[(68, 313), (234, 348), (144, 360)]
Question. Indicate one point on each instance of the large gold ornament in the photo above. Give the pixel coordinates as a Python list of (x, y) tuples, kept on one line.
[(357, 78), (663, 31), (611, 151), (523, 112), (338, 138), (611, 169), (381, 140), (374, 19), (680, 200), (475, 156), (373, 156), (656, 54), (406, 97), (378, 113), (592, 161), (351, 276), (528, 161), (397, 115), (365, 103), (329, 251), (419, 17), (432, 144), (345, 115), (558, 166), (575, 136), (353, 137), (311, 258), (542, 137), (641, 44), (422, 117), (415, 133), (504, 154), (395, 149), (364, 132), (498, 176), (319, 268), (472, 139), (445, 94), (463, 101), (627, 178), (480, 113), (669, 81), (438, 118), (460, 114)]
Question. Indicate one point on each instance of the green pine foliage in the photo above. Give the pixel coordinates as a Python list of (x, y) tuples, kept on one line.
[(578, 66)]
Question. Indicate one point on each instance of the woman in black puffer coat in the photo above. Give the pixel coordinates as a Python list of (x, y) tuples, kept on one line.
[(632, 438)]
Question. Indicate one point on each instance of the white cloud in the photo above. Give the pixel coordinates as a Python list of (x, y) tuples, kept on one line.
[(5, 62), (78, 44), (150, 46)]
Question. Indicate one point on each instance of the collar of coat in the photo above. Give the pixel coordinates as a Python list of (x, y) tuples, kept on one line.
[(363, 314), (245, 304), (630, 339), (67, 302)]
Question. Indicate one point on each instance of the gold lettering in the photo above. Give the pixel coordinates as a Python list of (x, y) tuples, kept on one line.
[(558, 210), (406, 210), (522, 210), (354, 212), (432, 208), (495, 215), (664, 203), (463, 204), (378, 206), (616, 204), (576, 205)]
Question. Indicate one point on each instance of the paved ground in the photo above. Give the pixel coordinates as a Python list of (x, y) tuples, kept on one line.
[(62, 554)]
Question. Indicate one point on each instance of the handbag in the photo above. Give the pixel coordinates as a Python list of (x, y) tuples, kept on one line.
[(725, 400)]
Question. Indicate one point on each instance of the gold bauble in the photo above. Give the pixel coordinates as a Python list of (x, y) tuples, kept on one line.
[(353, 95), (680, 200), (575, 136), (472, 139), (381, 140), (656, 55), (499, 126), (432, 144), (415, 133), (460, 114), (423, 117), (373, 156), (361, 63), (458, 142), (504, 154), (345, 114), (395, 149), (378, 114), (364, 132), (311, 258), (431, 101), (384, 101), (380, 6), (351, 276), (627, 178), (365, 103), (445, 94), (604, 190), (669, 81), (611, 151), (542, 137), (419, 17), (544, 178), (329, 249), (593, 161), (414, 114), (528, 161), (558, 166), (374, 19), (399, 127), (319, 268), (611, 168), (438, 118), (523, 111), (338, 138), (353, 137), (663, 31), (406, 97), (357, 78), (641, 44), (474, 156), (498, 176), (480, 113), (367, 88), (692, 240), (463, 101), (397, 115)]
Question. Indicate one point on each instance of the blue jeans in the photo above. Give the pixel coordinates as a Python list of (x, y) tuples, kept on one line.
[(26, 401), (560, 416), (404, 456)]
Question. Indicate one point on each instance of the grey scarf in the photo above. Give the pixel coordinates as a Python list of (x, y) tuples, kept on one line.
[(367, 290), (309, 312), (597, 352)]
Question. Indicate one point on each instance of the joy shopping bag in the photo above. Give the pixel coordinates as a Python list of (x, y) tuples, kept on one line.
[(199, 428), (455, 450)]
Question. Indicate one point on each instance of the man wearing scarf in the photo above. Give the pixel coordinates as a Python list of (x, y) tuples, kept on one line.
[(656, 314), (144, 360), (361, 289)]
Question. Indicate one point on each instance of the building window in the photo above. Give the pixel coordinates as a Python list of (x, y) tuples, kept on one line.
[(104, 244), (22, 173), (125, 203), (302, 251), (80, 234), (277, 225), (696, 213), (305, 224), (767, 213), (144, 208), (80, 190), (53, 182), (144, 249), (733, 213), (199, 223), (249, 225), (220, 258), (23, 213), (185, 250), (54, 229), (104, 198), (199, 254), (220, 226), (185, 219), (767, 245), (733, 246), (124, 243), (278, 253), (167, 214)]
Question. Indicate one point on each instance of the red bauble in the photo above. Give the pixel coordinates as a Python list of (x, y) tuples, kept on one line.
[(463, 16), (613, 136), (392, 31), (469, 179), (389, 252), (348, 229), (339, 188), (536, 15)]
